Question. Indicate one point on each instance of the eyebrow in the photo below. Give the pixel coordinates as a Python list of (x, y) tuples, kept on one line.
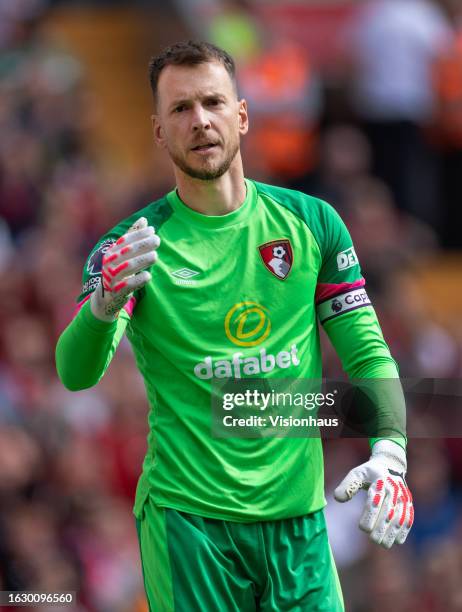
[(188, 100)]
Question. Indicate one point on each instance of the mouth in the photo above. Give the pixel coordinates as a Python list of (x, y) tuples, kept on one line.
[(208, 146)]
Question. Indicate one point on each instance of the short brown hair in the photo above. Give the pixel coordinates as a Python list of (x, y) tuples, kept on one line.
[(190, 53)]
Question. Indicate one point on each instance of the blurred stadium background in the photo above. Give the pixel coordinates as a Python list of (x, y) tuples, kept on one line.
[(359, 102)]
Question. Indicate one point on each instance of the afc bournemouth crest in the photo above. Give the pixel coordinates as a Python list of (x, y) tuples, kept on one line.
[(277, 257)]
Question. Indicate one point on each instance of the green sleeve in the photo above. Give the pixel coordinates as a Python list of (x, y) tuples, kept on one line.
[(352, 326), (86, 347), (358, 341)]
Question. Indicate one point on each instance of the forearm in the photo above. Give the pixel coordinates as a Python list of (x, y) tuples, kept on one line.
[(86, 347), (365, 356), (360, 345)]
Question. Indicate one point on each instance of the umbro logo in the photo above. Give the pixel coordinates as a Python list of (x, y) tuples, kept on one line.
[(184, 276), (184, 273)]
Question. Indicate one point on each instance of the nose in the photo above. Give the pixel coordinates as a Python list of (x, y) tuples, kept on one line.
[(200, 119)]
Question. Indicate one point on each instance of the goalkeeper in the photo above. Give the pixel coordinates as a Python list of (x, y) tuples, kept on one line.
[(225, 277)]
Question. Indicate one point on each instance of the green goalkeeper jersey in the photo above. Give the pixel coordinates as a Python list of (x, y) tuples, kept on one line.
[(231, 296)]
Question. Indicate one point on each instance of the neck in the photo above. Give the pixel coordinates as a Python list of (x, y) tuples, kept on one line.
[(217, 197)]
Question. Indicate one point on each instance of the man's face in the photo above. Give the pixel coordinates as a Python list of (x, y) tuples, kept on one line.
[(199, 119)]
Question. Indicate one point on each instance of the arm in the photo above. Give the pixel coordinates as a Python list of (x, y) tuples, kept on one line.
[(346, 313), (86, 347), (88, 344), (359, 343), (389, 512)]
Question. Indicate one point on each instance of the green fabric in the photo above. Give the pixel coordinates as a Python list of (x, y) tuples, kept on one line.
[(155, 560), (86, 347), (214, 308), (357, 336), (326, 227), (272, 566)]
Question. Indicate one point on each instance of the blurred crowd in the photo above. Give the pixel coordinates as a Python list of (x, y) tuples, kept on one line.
[(376, 131)]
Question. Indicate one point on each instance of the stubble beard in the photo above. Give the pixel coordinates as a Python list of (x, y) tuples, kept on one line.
[(202, 173)]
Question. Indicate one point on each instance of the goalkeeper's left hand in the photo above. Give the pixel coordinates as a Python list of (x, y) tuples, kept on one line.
[(389, 511)]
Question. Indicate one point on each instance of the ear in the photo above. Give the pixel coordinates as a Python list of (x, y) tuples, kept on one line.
[(158, 132), (243, 117)]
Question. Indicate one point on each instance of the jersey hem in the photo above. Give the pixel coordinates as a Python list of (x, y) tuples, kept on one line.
[(223, 516)]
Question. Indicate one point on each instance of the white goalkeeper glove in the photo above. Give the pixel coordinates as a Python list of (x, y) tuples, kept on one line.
[(124, 270), (389, 511)]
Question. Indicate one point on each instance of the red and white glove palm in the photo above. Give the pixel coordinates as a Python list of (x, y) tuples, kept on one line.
[(124, 270), (389, 511)]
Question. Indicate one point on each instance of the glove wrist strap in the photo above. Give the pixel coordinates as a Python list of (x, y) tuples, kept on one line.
[(391, 450)]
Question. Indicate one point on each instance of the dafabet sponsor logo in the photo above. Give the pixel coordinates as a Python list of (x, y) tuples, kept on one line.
[(247, 324)]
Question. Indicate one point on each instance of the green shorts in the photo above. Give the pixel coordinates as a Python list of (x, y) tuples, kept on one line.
[(191, 563)]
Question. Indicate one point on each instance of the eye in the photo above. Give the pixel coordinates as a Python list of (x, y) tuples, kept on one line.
[(180, 108), (213, 102)]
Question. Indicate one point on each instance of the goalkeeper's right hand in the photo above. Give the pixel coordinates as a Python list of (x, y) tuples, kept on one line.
[(124, 270)]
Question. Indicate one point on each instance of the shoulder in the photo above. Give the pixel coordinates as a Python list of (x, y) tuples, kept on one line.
[(320, 217), (300, 203)]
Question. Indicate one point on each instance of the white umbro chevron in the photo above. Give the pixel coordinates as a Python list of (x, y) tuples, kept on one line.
[(184, 273)]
